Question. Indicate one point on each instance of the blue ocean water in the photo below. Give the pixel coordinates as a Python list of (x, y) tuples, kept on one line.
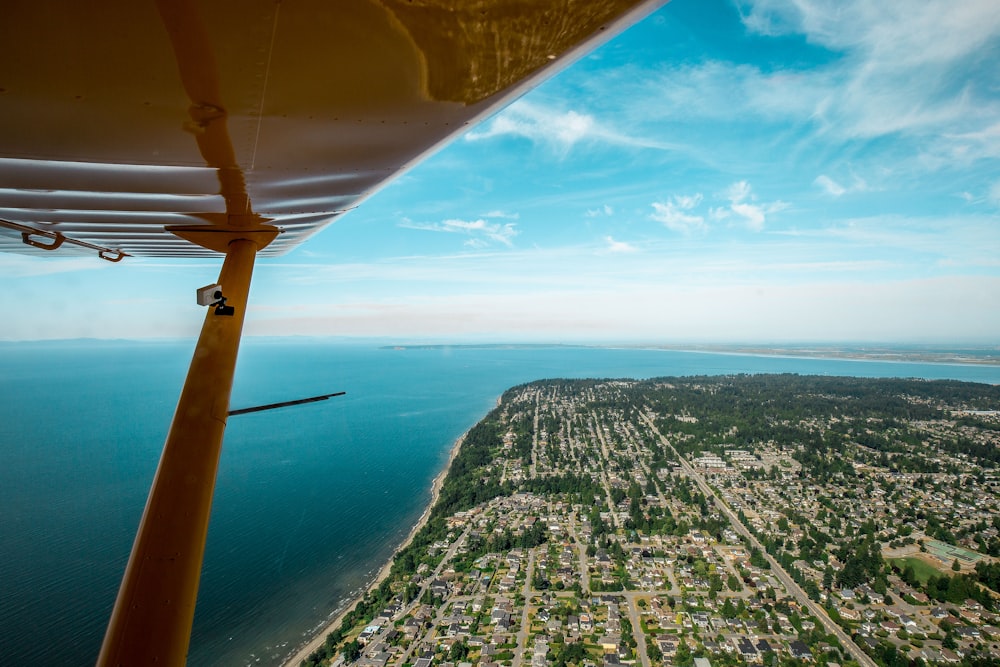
[(310, 500)]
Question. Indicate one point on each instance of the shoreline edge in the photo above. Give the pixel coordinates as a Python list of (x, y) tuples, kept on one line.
[(320, 638)]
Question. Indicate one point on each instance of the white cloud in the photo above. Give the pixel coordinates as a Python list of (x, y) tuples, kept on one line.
[(739, 191), (995, 193), (753, 215), (958, 241), (560, 130), (740, 196), (688, 202), (481, 231), (714, 90), (677, 213), (597, 212), (618, 246), (25, 266), (919, 74), (674, 213), (719, 214), (502, 215), (837, 189), (976, 144), (831, 186), (895, 33), (903, 66)]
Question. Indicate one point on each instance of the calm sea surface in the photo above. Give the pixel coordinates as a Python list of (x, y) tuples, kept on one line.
[(310, 501)]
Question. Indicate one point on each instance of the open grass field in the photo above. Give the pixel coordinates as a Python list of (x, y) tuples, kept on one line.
[(921, 568)]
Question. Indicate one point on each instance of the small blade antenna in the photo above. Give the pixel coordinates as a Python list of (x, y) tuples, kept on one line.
[(285, 404)]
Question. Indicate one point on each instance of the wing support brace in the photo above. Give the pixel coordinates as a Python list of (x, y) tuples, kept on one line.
[(152, 616)]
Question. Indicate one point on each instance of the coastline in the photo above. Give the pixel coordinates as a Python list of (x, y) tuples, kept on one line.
[(320, 637), (898, 355)]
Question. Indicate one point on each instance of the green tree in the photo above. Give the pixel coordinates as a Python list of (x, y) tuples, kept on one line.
[(683, 656), (811, 589), (714, 586), (352, 651), (459, 650), (653, 650)]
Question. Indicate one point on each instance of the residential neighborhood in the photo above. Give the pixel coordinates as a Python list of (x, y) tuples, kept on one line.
[(669, 522)]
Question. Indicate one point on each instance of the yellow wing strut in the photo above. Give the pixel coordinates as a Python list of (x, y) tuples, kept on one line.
[(152, 617)]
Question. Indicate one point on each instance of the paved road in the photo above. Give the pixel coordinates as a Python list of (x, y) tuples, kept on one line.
[(423, 588), (776, 568), (581, 555), (598, 431), (534, 437), (637, 633), (522, 632)]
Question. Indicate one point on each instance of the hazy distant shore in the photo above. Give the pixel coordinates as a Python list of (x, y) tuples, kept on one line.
[(973, 356), (924, 354), (320, 637)]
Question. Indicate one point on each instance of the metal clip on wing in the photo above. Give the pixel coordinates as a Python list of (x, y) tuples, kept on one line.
[(31, 236), (57, 240), (119, 255)]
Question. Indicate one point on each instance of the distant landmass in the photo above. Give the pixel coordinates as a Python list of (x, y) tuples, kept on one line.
[(483, 346), (929, 354)]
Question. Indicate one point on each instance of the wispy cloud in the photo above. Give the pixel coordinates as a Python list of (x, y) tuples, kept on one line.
[(903, 66), (675, 213), (480, 231), (618, 246), (962, 243), (831, 186), (895, 34), (920, 78), (503, 215), (995, 193), (982, 143), (742, 202), (713, 91), (598, 212), (559, 130), (838, 189), (678, 214), (24, 266)]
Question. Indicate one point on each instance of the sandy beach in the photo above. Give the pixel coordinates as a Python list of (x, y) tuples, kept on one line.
[(320, 637)]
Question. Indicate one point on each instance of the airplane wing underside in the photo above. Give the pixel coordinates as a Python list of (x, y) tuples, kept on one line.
[(137, 128)]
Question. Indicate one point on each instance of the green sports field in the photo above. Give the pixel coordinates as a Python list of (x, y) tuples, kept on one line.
[(921, 568)]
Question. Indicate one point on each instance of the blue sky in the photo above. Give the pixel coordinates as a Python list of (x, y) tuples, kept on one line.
[(748, 172)]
